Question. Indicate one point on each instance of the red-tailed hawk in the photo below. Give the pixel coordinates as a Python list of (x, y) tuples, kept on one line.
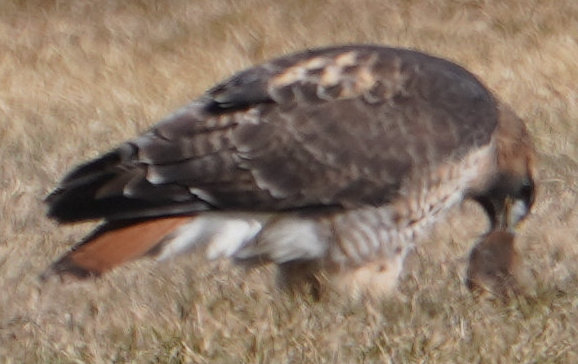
[(331, 162)]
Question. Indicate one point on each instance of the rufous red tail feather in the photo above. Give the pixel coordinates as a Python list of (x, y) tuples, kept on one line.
[(109, 247)]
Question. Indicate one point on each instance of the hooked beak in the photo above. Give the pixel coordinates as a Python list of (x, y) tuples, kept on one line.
[(510, 216), (507, 205)]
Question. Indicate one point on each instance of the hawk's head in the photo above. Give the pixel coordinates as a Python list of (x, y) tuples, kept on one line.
[(510, 196)]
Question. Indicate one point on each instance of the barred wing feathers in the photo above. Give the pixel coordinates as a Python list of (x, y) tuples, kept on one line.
[(335, 128)]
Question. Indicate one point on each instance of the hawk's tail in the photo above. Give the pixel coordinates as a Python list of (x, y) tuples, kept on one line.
[(115, 243)]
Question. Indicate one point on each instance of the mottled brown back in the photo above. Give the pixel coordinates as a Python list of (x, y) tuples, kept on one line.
[(332, 128)]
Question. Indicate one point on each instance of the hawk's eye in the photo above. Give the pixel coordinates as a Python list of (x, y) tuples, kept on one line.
[(526, 191)]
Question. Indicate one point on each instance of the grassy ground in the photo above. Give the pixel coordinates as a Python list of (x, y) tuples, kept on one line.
[(78, 77)]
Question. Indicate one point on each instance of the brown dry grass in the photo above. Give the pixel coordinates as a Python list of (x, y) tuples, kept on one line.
[(78, 77)]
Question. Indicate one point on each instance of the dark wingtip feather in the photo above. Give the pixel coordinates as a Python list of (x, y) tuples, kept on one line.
[(73, 199), (75, 203), (114, 187)]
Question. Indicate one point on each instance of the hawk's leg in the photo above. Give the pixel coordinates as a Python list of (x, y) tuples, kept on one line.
[(302, 276)]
